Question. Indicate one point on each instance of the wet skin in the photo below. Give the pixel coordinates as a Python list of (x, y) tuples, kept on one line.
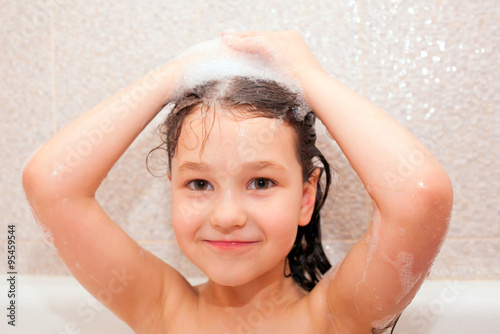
[(236, 209)]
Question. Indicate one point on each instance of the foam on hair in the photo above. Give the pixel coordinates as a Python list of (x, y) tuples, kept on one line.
[(214, 61)]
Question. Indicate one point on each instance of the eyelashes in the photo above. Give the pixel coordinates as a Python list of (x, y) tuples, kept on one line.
[(260, 183), (199, 185)]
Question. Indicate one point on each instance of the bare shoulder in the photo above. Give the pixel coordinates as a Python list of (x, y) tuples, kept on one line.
[(186, 312), (316, 306), (178, 304)]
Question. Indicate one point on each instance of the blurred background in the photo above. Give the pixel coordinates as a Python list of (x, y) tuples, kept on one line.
[(433, 65)]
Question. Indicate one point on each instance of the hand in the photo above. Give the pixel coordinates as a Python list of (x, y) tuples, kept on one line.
[(283, 49)]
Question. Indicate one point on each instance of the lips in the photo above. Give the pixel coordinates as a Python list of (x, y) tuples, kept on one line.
[(230, 244)]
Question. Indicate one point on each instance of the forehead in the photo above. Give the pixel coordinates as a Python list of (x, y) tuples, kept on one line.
[(221, 134)]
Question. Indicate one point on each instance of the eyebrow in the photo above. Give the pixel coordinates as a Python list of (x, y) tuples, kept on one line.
[(194, 166), (251, 165)]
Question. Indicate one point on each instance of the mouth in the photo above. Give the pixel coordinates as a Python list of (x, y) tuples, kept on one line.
[(230, 244)]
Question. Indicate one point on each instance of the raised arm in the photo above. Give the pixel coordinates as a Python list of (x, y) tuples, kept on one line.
[(411, 193), (61, 181), (412, 199)]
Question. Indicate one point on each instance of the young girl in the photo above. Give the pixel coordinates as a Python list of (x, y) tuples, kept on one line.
[(246, 196)]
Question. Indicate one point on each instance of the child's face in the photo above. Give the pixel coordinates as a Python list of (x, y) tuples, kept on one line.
[(236, 208)]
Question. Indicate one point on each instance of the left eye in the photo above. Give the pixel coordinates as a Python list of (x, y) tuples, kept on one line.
[(261, 183), (199, 185)]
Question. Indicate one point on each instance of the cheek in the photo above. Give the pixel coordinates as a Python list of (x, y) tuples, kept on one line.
[(280, 220), (282, 234), (187, 215)]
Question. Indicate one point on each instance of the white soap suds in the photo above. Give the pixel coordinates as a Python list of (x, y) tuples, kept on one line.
[(214, 60), (372, 241), (404, 266), (46, 234), (277, 122), (56, 171)]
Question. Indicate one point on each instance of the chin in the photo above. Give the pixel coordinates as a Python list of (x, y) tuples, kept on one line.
[(229, 277)]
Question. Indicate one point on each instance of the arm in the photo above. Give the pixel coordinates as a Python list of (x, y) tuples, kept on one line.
[(61, 181), (410, 191), (412, 200)]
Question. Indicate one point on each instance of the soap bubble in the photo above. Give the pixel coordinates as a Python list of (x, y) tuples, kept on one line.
[(215, 61)]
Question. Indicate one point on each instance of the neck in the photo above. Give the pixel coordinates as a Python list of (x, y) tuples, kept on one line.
[(272, 286)]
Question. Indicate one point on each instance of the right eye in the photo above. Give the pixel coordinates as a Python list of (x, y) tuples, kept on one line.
[(199, 185)]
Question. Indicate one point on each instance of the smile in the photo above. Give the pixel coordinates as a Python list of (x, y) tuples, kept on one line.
[(230, 245)]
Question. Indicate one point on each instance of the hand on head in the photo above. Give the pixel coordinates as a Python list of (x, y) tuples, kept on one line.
[(261, 55), (284, 49)]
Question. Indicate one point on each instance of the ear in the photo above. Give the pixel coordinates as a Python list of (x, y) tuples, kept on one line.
[(309, 198), (169, 176)]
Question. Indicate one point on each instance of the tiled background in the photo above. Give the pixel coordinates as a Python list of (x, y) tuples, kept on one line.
[(433, 65)]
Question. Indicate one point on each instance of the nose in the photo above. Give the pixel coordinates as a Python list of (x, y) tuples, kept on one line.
[(228, 213)]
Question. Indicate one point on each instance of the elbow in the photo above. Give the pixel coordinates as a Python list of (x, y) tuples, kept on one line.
[(37, 182), (433, 200), (425, 201), (435, 188), (30, 181)]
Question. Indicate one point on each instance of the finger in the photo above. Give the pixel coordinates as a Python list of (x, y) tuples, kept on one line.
[(252, 44)]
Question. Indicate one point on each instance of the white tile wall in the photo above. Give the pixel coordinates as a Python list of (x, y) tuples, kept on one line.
[(433, 65)]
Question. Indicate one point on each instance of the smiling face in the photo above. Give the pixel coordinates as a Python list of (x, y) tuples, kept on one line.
[(237, 203)]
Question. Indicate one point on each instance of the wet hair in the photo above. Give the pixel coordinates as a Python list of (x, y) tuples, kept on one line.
[(247, 98)]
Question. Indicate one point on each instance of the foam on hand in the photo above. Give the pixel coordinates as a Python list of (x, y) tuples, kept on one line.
[(214, 60)]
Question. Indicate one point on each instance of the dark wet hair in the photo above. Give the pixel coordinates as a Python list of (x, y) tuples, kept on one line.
[(260, 98)]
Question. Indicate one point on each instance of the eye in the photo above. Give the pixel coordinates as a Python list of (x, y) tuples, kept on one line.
[(199, 185), (261, 183)]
